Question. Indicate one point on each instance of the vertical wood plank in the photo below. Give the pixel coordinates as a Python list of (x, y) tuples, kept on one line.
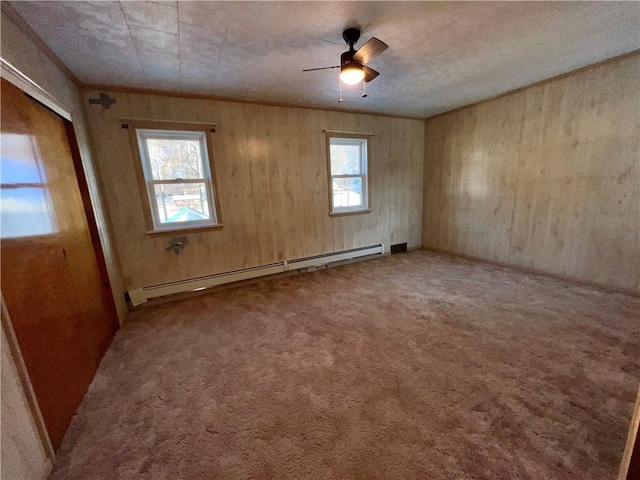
[(547, 178), (272, 182)]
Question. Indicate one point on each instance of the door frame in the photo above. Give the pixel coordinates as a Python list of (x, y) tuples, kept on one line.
[(28, 86), (31, 88), (41, 95)]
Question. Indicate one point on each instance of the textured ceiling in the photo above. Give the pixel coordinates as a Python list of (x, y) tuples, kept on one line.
[(441, 54)]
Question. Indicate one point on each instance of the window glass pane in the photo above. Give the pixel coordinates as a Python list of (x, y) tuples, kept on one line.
[(172, 159), (345, 159), (182, 202), (347, 192)]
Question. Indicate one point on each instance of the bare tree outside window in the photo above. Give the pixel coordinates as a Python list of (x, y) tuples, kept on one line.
[(178, 178)]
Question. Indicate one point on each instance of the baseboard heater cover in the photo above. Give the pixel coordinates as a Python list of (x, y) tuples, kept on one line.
[(318, 260), (139, 296)]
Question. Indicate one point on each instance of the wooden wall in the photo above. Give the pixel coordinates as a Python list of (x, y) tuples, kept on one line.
[(547, 178), (272, 179)]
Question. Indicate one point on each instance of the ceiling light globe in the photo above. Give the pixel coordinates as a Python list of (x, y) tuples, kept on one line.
[(352, 74)]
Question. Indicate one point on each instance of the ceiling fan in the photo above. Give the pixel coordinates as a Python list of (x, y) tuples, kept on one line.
[(352, 63)]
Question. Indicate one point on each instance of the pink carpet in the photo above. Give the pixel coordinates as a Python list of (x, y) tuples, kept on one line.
[(413, 366)]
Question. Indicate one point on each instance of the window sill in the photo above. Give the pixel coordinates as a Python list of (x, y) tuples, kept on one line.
[(352, 212), (195, 229)]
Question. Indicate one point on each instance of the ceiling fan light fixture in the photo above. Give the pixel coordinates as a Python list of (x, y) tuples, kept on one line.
[(351, 73)]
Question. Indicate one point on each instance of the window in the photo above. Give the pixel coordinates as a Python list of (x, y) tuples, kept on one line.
[(178, 178), (348, 170)]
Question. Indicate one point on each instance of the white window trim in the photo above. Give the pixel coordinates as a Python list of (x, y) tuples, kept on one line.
[(142, 134), (350, 139)]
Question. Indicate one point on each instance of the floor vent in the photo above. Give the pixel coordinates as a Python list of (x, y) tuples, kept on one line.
[(141, 295), (399, 248)]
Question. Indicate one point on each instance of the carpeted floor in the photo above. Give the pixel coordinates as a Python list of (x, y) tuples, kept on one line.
[(413, 366)]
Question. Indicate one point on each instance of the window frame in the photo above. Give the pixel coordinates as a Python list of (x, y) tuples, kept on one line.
[(142, 131), (365, 172)]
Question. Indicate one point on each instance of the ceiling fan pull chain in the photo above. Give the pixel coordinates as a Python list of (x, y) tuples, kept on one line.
[(340, 83), (364, 89)]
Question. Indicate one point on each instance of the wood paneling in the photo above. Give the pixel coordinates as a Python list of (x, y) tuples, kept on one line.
[(547, 178), (203, 96), (272, 184)]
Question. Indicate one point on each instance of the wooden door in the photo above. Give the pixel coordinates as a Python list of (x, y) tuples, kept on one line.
[(61, 309)]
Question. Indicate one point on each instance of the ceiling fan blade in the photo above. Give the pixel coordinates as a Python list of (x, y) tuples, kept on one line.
[(321, 68), (372, 48), (369, 74)]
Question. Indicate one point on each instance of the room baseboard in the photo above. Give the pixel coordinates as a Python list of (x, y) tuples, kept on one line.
[(251, 281), (519, 268), (139, 296)]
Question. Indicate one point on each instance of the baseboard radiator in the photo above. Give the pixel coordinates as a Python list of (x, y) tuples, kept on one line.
[(139, 296)]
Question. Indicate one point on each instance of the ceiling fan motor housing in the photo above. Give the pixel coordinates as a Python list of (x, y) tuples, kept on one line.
[(351, 36), (347, 57)]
